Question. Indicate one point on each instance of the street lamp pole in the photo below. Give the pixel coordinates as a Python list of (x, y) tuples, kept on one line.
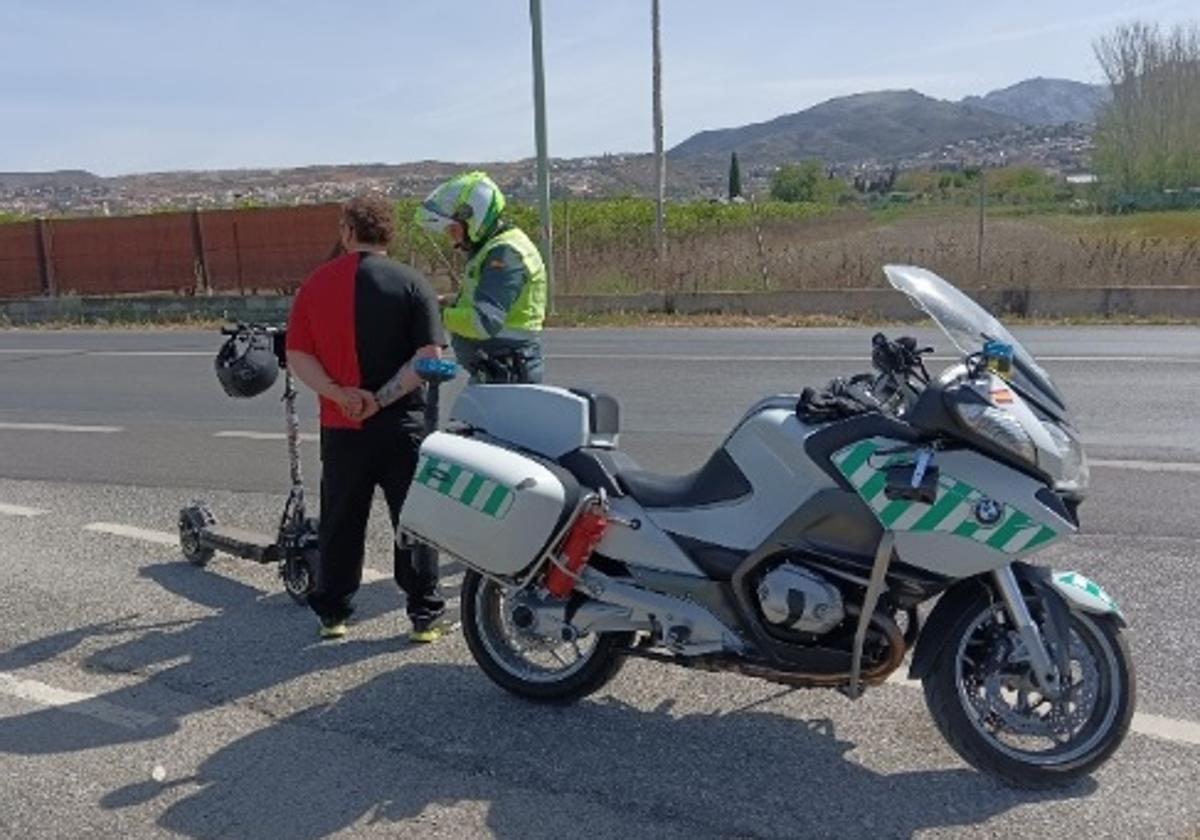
[(543, 166)]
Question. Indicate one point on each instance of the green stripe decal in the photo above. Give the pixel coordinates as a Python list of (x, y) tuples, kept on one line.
[(472, 490), (496, 500), (428, 467), (856, 458), (894, 510), (1044, 535), (443, 476), (1009, 529), (874, 486), (447, 484), (953, 512), (946, 503), (966, 528)]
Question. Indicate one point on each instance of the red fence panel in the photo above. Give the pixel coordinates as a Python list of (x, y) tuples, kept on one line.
[(269, 248), (20, 275), (123, 255)]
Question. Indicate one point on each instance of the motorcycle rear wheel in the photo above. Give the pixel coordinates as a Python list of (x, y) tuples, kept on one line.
[(533, 667)]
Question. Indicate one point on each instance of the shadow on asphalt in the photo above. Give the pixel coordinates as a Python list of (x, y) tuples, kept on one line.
[(442, 735), (251, 642), (390, 749)]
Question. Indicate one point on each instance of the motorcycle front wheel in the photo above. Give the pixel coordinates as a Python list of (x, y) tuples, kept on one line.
[(986, 703), (532, 666)]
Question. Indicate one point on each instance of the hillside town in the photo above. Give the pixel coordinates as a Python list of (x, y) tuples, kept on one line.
[(1059, 150)]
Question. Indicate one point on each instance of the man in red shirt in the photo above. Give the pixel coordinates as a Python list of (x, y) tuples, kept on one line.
[(357, 325)]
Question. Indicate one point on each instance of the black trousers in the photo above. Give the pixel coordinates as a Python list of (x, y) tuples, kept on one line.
[(353, 463)]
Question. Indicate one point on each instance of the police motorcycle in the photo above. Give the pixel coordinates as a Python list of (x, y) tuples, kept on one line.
[(802, 550)]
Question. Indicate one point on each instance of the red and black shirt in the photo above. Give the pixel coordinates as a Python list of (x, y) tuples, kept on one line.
[(363, 316)]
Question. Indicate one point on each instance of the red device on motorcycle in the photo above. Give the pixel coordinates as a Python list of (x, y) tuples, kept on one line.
[(581, 541)]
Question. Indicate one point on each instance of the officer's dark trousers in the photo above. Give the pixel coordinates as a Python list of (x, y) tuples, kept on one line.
[(353, 462)]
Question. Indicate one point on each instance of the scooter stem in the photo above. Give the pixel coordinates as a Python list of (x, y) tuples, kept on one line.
[(293, 427)]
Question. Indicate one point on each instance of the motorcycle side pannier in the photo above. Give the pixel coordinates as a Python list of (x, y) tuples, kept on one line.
[(486, 505)]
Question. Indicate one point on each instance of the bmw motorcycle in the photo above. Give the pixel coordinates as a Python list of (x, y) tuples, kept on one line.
[(803, 550)]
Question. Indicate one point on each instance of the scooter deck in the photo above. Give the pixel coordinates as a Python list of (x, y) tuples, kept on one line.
[(240, 542)]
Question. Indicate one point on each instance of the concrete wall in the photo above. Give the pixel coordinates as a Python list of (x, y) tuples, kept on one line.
[(1148, 301)]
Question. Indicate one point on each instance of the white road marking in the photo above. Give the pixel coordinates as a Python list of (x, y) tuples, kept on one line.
[(144, 534), (1166, 360), (76, 702), (20, 510), (862, 358), (1167, 729), (1149, 466), (30, 351), (151, 353), (60, 427), (1152, 726), (304, 436)]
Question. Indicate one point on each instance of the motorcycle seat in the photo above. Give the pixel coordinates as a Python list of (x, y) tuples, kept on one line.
[(719, 481)]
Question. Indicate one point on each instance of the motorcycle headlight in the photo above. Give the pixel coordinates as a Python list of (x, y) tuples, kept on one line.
[(998, 426), (1075, 472)]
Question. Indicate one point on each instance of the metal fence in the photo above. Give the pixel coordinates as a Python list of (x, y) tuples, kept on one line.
[(224, 251)]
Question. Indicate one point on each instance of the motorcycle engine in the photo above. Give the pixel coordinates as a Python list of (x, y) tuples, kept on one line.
[(799, 599)]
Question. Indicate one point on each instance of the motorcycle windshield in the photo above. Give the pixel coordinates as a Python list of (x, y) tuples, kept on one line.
[(970, 326)]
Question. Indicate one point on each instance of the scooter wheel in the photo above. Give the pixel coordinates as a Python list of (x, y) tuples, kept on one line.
[(192, 521), (299, 574)]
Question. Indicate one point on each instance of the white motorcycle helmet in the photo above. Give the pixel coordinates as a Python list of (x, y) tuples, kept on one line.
[(471, 198)]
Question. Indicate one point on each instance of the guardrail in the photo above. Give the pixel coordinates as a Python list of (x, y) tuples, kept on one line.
[(864, 304)]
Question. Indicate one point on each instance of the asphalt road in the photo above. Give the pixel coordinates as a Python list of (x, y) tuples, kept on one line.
[(140, 696)]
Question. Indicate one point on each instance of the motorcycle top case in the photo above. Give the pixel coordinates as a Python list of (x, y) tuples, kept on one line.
[(488, 506)]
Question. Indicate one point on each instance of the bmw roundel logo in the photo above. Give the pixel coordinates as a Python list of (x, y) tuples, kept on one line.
[(988, 511)]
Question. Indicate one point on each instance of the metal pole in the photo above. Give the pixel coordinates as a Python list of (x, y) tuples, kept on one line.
[(199, 254), (979, 240), (543, 167), (660, 161)]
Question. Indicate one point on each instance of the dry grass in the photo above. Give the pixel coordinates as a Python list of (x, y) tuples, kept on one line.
[(847, 251), (633, 320)]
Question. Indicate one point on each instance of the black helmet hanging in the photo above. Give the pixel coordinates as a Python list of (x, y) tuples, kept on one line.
[(246, 364)]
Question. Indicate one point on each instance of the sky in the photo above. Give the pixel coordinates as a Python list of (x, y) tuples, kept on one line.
[(122, 86)]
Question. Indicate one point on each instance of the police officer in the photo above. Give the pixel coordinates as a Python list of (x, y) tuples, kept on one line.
[(495, 321)]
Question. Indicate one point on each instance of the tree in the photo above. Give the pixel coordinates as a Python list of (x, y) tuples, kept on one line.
[(1149, 136), (735, 177), (795, 182)]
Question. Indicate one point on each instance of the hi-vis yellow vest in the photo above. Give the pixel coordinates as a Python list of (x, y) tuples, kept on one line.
[(528, 312)]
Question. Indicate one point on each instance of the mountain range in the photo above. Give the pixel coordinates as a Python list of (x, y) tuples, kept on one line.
[(884, 128), (891, 125)]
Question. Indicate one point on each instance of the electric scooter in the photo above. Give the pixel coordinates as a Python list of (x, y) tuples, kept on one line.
[(294, 546)]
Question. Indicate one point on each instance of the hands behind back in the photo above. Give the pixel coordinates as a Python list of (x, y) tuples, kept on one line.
[(355, 403)]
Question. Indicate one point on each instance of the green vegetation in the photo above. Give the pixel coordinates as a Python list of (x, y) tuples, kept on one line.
[(1179, 226), (1013, 186), (735, 177), (626, 222), (808, 182), (1148, 139)]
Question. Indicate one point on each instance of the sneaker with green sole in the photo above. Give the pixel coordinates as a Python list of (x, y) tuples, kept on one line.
[(424, 633), (333, 630)]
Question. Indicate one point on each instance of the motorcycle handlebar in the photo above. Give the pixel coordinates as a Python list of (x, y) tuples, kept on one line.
[(242, 327)]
